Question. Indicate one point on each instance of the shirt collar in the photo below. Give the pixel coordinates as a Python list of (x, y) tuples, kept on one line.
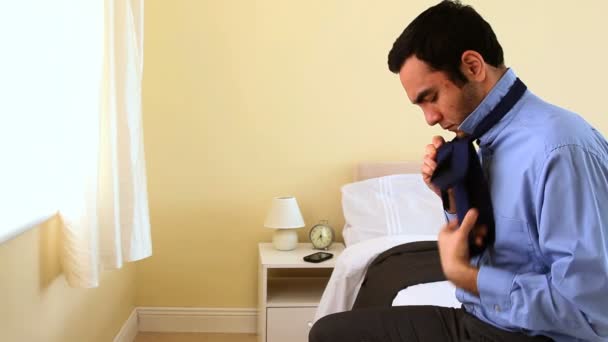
[(491, 100)]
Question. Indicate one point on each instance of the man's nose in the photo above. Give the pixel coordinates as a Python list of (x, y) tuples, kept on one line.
[(431, 116)]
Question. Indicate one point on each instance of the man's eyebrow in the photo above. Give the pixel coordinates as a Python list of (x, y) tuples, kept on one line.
[(422, 95)]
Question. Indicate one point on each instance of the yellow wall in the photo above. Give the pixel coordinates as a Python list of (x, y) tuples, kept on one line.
[(246, 100), (36, 304)]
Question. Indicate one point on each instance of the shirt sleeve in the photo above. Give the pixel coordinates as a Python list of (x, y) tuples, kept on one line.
[(571, 207)]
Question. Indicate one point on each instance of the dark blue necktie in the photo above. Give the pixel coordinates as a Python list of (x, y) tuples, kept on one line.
[(458, 167)]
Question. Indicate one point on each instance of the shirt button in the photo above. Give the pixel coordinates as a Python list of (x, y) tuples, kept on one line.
[(496, 308)]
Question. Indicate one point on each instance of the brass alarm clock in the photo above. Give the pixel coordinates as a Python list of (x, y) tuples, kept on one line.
[(321, 235)]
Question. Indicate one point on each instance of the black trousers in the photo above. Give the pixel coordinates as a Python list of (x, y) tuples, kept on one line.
[(373, 319), (410, 324)]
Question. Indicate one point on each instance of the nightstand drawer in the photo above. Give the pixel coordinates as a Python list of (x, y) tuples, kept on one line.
[(289, 324)]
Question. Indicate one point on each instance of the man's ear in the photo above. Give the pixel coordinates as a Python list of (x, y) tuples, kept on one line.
[(473, 66)]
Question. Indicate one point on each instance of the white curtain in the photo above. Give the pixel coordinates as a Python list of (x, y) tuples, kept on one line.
[(105, 207)]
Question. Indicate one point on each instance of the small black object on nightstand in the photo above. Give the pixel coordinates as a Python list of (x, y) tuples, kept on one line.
[(318, 257)]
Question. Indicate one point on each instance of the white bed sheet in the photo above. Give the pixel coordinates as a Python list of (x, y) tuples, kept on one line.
[(349, 271)]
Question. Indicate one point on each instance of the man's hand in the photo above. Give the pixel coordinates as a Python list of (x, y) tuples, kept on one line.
[(454, 253), (429, 164)]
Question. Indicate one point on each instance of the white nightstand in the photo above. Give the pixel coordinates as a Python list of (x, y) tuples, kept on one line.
[(289, 290)]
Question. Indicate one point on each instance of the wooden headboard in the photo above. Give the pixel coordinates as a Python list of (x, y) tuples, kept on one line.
[(366, 170)]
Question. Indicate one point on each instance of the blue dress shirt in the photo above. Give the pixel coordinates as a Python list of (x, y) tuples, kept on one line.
[(547, 272)]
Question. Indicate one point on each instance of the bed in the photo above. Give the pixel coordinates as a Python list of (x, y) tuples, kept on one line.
[(386, 205)]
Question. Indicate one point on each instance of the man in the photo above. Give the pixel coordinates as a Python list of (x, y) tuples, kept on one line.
[(546, 275)]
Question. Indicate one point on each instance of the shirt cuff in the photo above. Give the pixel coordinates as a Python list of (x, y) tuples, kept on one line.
[(449, 217), (494, 287)]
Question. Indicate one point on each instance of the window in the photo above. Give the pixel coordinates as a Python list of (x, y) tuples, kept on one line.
[(50, 74)]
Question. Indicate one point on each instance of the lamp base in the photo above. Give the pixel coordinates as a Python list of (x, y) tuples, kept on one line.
[(285, 239)]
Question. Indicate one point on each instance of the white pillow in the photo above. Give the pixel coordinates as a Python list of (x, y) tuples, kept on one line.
[(390, 205)]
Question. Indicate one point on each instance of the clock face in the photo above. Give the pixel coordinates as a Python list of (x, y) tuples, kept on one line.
[(321, 236)]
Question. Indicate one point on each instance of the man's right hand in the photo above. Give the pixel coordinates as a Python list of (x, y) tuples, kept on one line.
[(429, 164)]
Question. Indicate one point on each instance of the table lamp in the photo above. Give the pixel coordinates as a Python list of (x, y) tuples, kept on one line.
[(285, 217)]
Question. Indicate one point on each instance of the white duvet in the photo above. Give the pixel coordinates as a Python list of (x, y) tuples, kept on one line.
[(348, 274)]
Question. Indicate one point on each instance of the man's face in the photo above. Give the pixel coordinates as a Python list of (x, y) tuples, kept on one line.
[(441, 100)]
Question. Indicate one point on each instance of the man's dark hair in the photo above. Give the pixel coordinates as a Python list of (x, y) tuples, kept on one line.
[(439, 36)]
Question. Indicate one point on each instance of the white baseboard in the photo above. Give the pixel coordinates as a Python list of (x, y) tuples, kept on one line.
[(129, 330), (217, 320)]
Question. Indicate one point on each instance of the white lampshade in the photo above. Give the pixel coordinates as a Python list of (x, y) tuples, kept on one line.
[(284, 214)]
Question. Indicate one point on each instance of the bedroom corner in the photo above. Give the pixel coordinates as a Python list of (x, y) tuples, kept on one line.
[(37, 303), (244, 101)]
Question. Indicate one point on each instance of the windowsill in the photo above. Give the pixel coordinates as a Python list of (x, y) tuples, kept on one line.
[(6, 235)]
